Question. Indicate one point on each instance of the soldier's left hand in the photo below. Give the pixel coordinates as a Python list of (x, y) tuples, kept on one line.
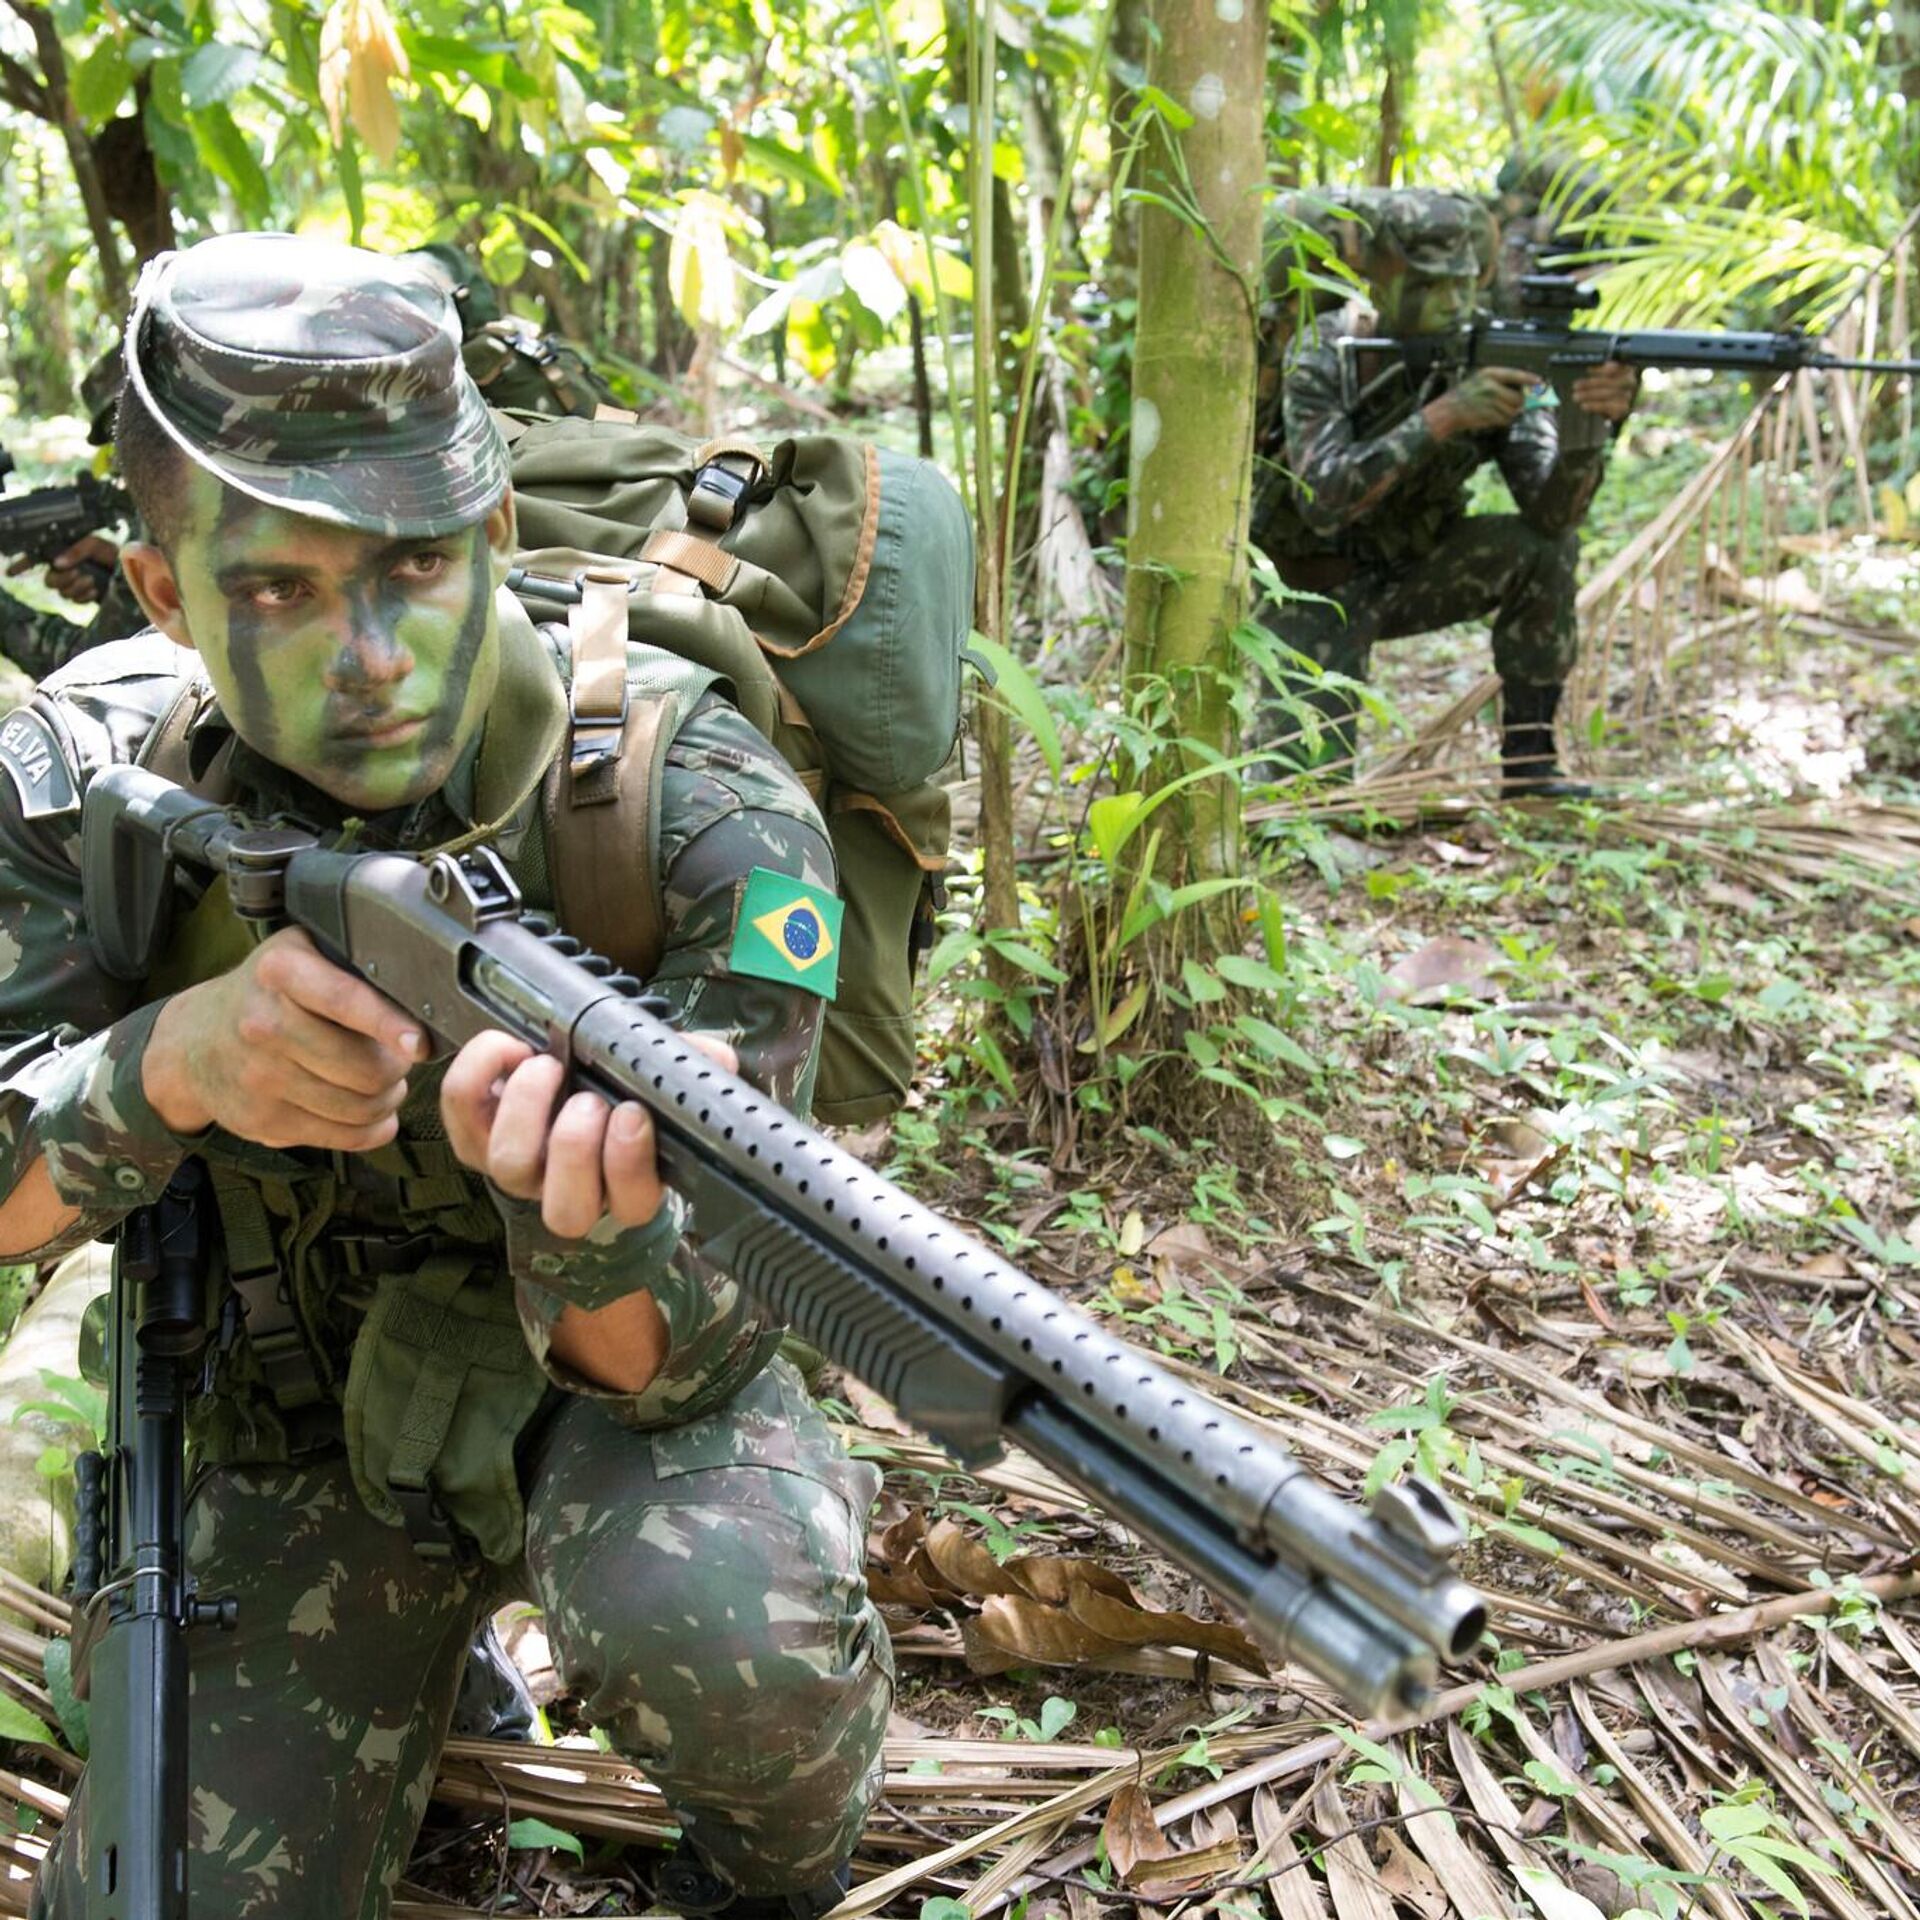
[(1608, 390), (68, 571), (583, 1161)]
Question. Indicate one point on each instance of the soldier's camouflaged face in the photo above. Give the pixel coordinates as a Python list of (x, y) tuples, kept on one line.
[(361, 662), (1414, 303)]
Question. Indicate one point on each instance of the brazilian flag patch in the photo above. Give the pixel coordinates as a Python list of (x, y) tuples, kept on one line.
[(788, 932)]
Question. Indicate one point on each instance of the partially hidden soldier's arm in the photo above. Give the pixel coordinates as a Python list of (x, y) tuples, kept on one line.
[(1552, 489), (728, 807), (80, 1144), (1339, 477)]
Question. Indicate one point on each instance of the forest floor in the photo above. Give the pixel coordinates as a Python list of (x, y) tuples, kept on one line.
[(1597, 1199)]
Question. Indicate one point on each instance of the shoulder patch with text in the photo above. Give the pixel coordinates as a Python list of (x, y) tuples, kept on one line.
[(36, 766), (788, 932)]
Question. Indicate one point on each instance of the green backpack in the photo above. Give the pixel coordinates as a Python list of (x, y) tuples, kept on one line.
[(829, 585)]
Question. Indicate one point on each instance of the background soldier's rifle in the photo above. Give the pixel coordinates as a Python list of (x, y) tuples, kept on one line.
[(133, 1595), (46, 522), (1542, 339), (970, 1349)]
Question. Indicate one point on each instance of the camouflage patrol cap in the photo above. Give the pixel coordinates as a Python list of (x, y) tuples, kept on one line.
[(100, 394), (317, 378)]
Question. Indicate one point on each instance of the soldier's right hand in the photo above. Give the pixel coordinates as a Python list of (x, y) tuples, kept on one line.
[(1488, 398), (287, 1050)]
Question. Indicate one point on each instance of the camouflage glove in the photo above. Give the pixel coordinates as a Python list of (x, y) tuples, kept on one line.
[(610, 1263)]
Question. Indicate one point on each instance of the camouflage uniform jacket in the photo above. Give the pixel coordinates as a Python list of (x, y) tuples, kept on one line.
[(516, 366), (1360, 475), (72, 1040)]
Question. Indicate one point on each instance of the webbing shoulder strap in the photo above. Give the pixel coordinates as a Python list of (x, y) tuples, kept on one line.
[(603, 795)]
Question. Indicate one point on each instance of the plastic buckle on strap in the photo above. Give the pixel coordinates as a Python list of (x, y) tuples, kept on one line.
[(432, 1534), (716, 496), (594, 743)]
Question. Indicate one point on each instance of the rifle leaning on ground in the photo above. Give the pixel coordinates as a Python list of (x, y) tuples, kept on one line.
[(43, 524), (971, 1350), (1542, 339)]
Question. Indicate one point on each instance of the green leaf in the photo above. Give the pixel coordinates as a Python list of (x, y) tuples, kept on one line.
[(1027, 958), (216, 72), (1199, 981), (224, 149), (1111, 821), (1152, 100), (72, 1711), (1254, 974), (99, 82), (940, 1907), (1147, 913), (522, 1834), (789, 163), (16, 1723), (1056, 1715), (1342, 1147), (1334, 130), (873, 282), (1019, 691), (995, 1062), (352, 189), (1268, 1039)]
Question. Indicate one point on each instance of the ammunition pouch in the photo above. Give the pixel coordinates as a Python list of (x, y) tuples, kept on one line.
[(432, 1447)]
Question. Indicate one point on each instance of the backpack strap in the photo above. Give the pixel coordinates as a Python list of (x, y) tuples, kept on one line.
[(687, 559), (603, 794), (597, 632), (168, 749)]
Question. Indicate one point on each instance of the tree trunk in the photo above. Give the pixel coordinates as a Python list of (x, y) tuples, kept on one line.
[(1193, 401), (1126, 66), (1903, 49), (1392, 124), (62, 116), (922, 384), (973, 57)]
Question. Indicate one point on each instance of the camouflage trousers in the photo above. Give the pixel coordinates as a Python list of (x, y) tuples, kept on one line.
[(704, 1596), (1491, 565)]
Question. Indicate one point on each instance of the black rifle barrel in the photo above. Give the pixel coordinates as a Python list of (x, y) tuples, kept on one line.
[(968, 1347), (1543, 346)]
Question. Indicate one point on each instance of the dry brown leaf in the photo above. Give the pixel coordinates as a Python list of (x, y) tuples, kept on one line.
[(1294, 1893), (1131, 1832), (1184, 1870), (1049, 1636), (900, 1589), (1827, 1266), (1409, 1879), (1450, 854), (1449, 968), (1056, 1577), (360, 58), (964, 1563), (1135, 1626)]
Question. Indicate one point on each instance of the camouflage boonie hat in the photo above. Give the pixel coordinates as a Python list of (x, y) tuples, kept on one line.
[(1381, 233), (318, 378), (100, 394), (1438, 236)]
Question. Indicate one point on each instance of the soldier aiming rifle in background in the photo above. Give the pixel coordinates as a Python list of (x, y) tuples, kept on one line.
[(1361, 478)]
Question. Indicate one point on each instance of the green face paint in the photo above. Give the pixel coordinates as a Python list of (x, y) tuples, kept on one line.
[(1413, 304), (362, 663)]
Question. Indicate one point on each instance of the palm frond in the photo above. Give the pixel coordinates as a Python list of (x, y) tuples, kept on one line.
[(1743, 151)]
